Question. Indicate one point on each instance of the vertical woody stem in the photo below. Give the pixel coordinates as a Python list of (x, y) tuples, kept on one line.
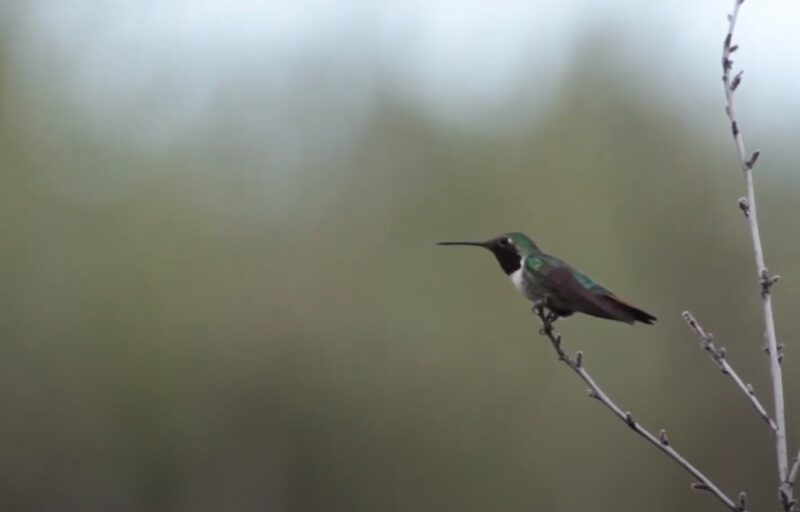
[(748, 206)]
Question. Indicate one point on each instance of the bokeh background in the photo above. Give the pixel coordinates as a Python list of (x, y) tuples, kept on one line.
[(220, 285)]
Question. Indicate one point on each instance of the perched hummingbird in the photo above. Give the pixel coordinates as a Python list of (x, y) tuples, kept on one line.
[(549, 281)]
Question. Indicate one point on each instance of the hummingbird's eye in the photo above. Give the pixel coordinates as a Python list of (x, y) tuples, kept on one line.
[(504, 241)]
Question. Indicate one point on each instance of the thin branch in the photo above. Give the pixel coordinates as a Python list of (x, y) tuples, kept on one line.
[(661, 441), (793, 472), (766, 281), (719, 357)]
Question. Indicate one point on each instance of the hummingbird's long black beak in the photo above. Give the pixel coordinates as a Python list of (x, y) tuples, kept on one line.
[(477, 244)]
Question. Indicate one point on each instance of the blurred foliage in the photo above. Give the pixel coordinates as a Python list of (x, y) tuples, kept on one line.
[(203, 325)]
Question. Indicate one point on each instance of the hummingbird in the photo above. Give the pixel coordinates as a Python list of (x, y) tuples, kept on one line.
[(555, 284)]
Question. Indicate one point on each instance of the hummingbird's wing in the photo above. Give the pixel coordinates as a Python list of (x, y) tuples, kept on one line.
[(570, 290)]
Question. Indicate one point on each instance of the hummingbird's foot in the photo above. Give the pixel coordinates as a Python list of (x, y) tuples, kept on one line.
[(548, 317), (538, 310), (551, 317)]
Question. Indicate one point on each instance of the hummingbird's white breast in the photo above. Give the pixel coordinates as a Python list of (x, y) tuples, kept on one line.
[(523, 286), (518, 280)]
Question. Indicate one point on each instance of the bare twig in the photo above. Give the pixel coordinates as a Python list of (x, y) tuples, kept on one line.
[(718, 355), (793, 472), (766, 280), (661, 441)]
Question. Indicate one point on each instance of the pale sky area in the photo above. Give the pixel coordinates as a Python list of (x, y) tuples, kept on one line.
[(459, 57)]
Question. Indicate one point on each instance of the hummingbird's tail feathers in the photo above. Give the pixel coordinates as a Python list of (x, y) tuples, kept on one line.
[(630, 313)]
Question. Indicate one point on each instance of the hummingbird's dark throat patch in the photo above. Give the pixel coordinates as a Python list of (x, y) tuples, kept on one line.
[(508, 257)]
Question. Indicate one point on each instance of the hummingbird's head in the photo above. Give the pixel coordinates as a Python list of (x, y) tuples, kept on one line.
[(509, 249)]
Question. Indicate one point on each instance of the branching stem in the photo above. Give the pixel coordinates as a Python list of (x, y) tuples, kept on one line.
[(661, 441)]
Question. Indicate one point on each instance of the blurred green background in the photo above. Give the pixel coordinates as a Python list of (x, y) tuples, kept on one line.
[(220, 285)]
